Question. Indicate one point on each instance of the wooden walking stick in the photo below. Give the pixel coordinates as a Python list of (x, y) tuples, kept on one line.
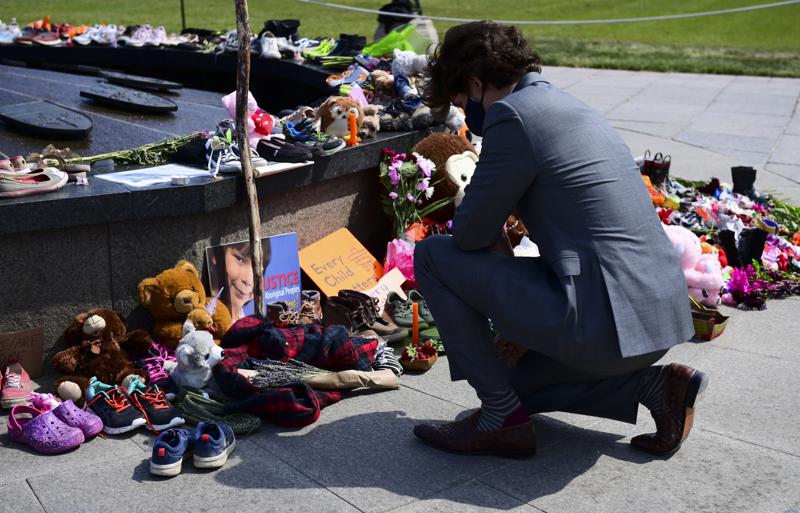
[(242, 87)]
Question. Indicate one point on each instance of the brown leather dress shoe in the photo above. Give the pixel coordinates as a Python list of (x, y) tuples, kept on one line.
[(463, 436), (683, 387)]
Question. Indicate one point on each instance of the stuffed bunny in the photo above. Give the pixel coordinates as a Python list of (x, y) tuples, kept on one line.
[(196, 355), (703, 272)]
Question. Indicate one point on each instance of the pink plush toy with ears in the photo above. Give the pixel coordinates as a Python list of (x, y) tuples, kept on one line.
[(703, 272), (259, 122)]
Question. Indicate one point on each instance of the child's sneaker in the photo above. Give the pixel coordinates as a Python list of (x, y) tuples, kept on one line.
[(424, 312), (212, 442), (16, 385), (402, 312), (152, 401), (168, 451), (318, 143), (114, 407)]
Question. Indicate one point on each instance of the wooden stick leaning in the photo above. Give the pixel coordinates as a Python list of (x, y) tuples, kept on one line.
[(242, 86)]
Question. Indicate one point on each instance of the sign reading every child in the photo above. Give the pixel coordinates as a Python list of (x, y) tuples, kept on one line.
[(27, 346), (338, 262)]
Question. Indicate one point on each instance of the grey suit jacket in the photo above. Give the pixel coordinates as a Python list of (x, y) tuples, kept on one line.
[(572, 179)]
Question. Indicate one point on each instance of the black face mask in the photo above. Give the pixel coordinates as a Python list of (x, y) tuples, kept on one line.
[(475, 113)]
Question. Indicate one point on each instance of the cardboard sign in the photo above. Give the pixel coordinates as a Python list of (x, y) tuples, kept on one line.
[(391, 282), (27, 345), (338, 262)]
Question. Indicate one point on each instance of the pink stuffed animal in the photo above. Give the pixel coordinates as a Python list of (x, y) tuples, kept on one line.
[(259, 122), (702, 271)]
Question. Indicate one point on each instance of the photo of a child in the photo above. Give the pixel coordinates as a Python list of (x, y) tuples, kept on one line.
[(230, 268)]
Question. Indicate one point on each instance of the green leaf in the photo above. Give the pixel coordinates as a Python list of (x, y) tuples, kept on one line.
[(433, 207)]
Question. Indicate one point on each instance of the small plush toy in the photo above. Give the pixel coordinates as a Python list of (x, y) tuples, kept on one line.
[(98, 344), (176, 294), (455, 161), (383, 83), (332, 115), (196, 355), (702, 271), (407, 63), (372, 121), (259, 122)]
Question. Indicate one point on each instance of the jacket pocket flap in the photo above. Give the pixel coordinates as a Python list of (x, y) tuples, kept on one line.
[(568, 263)]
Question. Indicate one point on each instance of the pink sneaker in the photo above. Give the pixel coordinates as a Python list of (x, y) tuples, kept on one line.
[(157, 363), (42, 431), (16, 385)]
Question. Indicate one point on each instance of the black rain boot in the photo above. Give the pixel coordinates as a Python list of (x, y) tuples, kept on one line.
[(743, 179), (727, 239), (751, 245)]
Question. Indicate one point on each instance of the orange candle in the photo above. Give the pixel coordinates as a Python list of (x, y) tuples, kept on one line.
[(415, 323), (352, 122)]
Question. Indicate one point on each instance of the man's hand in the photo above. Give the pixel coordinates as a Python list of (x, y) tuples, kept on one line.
[(509, 352)]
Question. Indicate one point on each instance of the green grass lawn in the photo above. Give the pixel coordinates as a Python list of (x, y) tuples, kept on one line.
[(762, 42)]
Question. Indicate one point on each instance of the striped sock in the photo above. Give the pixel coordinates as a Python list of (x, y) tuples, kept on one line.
[(496, 407), (651, 390)]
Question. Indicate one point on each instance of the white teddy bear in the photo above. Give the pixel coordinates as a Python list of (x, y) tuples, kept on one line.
[(195, 356)]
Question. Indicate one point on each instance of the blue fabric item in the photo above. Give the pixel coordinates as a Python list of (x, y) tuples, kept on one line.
[(219, 437), (175, 443), (402, 87)]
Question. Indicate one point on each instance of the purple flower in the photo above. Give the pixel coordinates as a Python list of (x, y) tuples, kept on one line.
[(393, 195), (410, 198), (394, 172), (423, 184), (425, 166)]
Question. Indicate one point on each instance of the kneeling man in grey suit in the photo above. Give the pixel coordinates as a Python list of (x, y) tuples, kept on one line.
[(582, 325)]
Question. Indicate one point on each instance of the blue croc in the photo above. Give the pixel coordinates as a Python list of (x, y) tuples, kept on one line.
[(168, 451), (213, 442)]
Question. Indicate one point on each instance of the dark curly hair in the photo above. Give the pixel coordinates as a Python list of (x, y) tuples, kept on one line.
[(496, 54)]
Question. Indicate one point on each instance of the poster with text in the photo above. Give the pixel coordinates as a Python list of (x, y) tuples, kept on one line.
[(339, 261), (230, 273)]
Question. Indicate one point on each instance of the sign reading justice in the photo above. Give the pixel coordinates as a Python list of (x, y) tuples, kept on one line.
[(338, 262)]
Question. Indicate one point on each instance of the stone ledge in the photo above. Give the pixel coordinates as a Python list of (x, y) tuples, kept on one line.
[(105, 202)]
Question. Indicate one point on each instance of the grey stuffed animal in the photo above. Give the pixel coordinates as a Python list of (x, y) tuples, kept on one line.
[(196, 355)]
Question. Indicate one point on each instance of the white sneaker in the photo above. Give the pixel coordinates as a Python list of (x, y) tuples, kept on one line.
[(88, 36), (140, 36), (269, 48), (306, 43), (157, 37), (106, 35)]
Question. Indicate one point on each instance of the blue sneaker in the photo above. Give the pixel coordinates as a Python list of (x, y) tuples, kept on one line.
[(213, 442), (168, 451)]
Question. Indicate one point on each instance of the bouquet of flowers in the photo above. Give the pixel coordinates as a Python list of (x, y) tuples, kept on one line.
[(407, 179)]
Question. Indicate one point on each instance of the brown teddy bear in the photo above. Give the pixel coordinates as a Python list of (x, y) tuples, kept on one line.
[(98, 344), (455, 159), (383, 83), (175, 295)]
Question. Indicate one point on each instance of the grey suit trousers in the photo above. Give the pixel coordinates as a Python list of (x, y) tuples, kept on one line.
[(530, 305)]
